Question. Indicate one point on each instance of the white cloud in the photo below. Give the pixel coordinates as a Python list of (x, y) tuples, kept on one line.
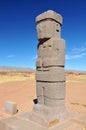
[(10, 56), (68, 57), (76, 53), (79, 50)]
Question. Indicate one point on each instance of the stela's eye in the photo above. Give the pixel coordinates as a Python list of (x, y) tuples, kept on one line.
[(57, 30)]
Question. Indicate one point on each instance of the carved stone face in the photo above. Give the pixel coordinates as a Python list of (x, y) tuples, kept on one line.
[(49, 49), (47, 29), (52, 52)]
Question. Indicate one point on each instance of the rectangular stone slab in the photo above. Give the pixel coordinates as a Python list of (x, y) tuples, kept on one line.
[(51, 90), (50, 102), (15, 123), (47, 110), (54, 74), (53, 51), (54, 103), (50, 14), (10, 107)]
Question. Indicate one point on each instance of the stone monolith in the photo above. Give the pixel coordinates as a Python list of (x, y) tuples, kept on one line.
[(49, 112), (50, 74)]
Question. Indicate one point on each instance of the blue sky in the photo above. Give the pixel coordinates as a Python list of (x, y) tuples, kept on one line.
[(18, 41)]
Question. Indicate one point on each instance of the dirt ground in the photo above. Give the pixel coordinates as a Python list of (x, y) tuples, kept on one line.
[(23, 93), (76, 96)]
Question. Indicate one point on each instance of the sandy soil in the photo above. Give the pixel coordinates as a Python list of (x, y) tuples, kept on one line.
[(76, 96), (23, 93)]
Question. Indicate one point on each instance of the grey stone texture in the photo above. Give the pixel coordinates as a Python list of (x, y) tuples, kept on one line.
[(15, 123), (53, 74), (50, 93), (53, 88), (23, 123), (44, 115), (50, 74), (51, 52), (48, 25), (10, 107)]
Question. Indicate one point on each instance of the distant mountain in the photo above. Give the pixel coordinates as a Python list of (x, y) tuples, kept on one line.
[(23, 69), (15, 69), (75, 71)]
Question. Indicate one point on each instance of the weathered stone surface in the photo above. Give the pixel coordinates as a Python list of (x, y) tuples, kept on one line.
[(55, 74), (50, 102), (47, 110), (11, 107), (48, 29), (50, 75), (54, 102), (56, 90), (46, 115), (48, 25), (15, 123), (23, 123), (50, 14), (52, 48)]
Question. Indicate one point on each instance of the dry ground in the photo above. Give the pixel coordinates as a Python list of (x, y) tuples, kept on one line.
[(21, 89)]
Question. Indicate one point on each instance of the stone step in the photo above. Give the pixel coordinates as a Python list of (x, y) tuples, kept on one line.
[(19, 123)]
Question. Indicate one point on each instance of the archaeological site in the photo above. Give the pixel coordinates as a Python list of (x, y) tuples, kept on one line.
[(49, 110)]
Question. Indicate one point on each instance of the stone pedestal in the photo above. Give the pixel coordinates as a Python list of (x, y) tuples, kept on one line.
[(48, 116), (22, 122)]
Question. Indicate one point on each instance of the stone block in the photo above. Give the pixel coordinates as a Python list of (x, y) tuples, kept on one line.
[(48, 25), (25, 123), (53, 47), (11, 107), (49, 15), (53, 61), (55, 91), (51, 97), (48, 29), (54, 103), (17, 123), (47, 110), (50, 102), (44, 115), (53, 52), (50, 77), (48, 116), (55, 74), (51, 90)]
